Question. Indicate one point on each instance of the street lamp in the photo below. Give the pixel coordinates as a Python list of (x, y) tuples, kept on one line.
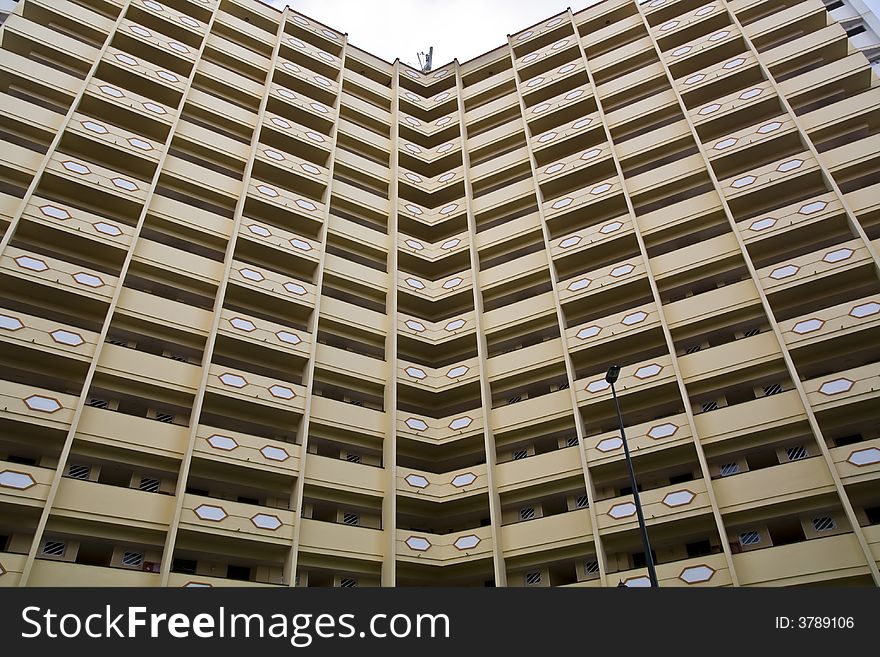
[(611, 377)]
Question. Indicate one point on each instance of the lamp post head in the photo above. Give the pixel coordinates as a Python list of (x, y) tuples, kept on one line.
[(613, 373)]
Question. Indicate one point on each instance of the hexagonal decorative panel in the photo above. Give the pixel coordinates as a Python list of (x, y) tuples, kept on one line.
[(664, 430), (294, 288), (709, 109), (836, 386), (683, 50), (623, 510), (668, 26), (678, 498), (638, 582), (262, 231), (580, 284), (16, 480), (647, 371), (233, 380), (622, 270), (465, 479), (210, 512), (414, 244), (267, 191), (415, 283), (611, 227), (598, 385), (416, 481), (274, 453), (41, 403), (306, 205), (416, 424), (743, 182), (588, 332), (808, 326), (724, 143), (868, 456), (454, 325), (281, 392), (733, 63), (168, 77), (561, 203), (34, 264), (634, 318), (415, 372), (865, 309), (55, 212), (417, 543), (107, 229), (111, 91), (769, 127), (447, 209), (762, 224), (547, 137), (467, 542), (718, 35), (10, 323), (266, 521), (302, 245), (609, 444), (89, 280), (600, 189), (288, 337), (699, 77), (94, 127), (251, 274), (460, 423), (67, 337), (76, 167), (241, 324), (813, 208), (696, 574), (457, 372), (784, 272), (153, 107), (225, 443), (837, 255)]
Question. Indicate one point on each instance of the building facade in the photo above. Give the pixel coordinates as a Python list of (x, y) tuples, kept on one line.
[(276, 312)]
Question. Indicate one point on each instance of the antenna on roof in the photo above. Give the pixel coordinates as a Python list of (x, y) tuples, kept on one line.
[(429, 59)]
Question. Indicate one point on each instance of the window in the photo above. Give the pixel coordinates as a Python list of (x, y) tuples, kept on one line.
[(53, 548), (709, 406), (348, 583), (563, 386), (98, 403), (533, 578), (572, 442), (750, 537), (772, 389), (351, 519), (751, 332), (527, 513), (698, 548), (796, 453), (582, 502), (520, 454), (824, 524), (242, 573), (353, 458), (355, 402), (181, 359), (133, 559), (168, 418), (186, 566), (729, 469), (514, 399), (693, 349), (76, 471), (149, 485), (591, 567)]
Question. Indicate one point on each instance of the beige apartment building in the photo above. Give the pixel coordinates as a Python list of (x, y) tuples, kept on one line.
[(276, 312)]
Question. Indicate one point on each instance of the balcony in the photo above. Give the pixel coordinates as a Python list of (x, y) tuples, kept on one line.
[(446, 549), (249, 387), (234, 520), (348, 417), (79, 224), (612, 327), (439, 431), (673, 431), (147, 307), (245, 450), (330, 539), (858, 463), (24, 485), (538, 470), (752, 417), (341, 476), (858, 385), (107, 429), (531, 412), (815, 560), (264, 334), (438, 380), (11, 565), (708, 570), (62, 573), (564, 530), (444, 487), (32, 405), (637, 377), (50, 337), (89, 501), (844, 319), (141, 367), (774, 485), (725, 360), (659, 505), (57, 274)]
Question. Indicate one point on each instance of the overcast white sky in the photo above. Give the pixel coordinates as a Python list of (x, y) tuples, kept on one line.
[(459, 29), (456, 28)]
